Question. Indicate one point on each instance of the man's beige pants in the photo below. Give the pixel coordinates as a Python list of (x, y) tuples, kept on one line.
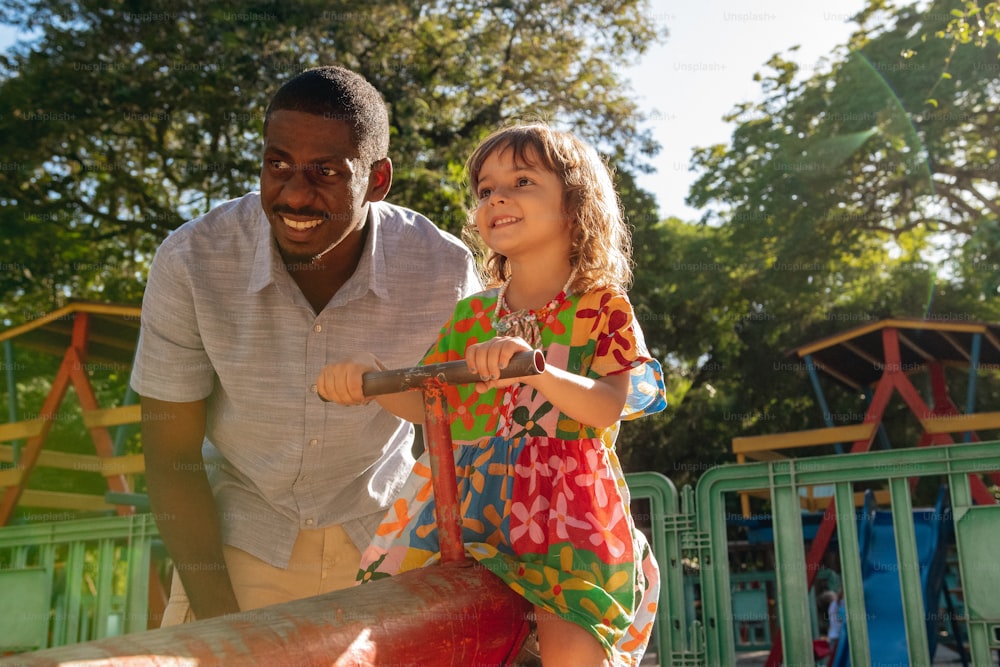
[(323, 560)]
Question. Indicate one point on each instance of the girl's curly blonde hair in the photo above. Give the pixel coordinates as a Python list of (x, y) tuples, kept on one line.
[(601, 250)]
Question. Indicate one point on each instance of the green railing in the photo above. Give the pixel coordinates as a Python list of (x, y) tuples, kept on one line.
[(669, 524), (751, 625), (82, 580), (977, 537), (71, 581)]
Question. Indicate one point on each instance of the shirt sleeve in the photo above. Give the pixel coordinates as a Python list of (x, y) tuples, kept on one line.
[(170, 361), (619, 348), (472, 283)]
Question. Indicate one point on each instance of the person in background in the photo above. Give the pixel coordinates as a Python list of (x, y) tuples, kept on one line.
[(831, 604)]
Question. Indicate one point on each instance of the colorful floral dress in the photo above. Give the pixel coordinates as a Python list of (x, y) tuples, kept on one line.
[(544, 501)]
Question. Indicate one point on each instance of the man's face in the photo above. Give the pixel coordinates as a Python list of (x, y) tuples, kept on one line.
[(314, 188)]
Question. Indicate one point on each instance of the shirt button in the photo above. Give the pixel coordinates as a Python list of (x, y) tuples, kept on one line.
[(317, 328), (313, 389), (309, 522), (313, 442)]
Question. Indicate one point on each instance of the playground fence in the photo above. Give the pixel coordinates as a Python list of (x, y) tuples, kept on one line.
[(89, 579), (65, 582)]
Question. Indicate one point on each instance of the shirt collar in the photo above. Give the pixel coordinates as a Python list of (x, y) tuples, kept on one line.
[(266, 260), (370, 274), (378, 276)]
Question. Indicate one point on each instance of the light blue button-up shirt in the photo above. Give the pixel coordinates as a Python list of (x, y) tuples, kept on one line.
[(222, 319)]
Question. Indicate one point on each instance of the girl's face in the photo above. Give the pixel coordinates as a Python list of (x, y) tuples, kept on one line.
[(520, 212)]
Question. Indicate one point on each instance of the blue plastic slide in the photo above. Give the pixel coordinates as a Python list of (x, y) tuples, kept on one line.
[(880, 570)]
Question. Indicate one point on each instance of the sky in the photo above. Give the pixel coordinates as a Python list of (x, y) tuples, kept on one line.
[(705, 67)]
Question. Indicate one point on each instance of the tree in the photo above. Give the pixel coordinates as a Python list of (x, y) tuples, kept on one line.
[(861, 152), (125, 118), (842, 198)]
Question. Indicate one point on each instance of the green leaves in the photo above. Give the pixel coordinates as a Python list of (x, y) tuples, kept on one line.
[(126, 118), (840, 199)]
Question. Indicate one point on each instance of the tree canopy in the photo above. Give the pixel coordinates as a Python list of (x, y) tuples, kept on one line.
[(865, 190), (121, 119), (124, 118)]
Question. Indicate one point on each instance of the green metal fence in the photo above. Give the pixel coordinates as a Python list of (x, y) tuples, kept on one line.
[(977, 537), (89, 579), (72, 581), (672, 641)]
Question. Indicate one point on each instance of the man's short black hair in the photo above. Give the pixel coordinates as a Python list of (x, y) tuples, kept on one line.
[(340, 94)]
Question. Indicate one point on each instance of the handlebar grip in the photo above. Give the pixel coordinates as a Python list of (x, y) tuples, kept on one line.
[(375, 383)]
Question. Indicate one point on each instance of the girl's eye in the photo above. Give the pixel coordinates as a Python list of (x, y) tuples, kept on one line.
[(523, 181), (484, 193)]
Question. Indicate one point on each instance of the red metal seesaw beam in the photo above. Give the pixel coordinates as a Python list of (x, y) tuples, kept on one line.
[(455, 614), (444, 616)]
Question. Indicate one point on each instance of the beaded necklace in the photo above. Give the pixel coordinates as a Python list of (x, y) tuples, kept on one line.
[(525, 322)]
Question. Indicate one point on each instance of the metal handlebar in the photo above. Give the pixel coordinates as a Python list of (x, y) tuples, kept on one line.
[(430, 380), (375, 383)]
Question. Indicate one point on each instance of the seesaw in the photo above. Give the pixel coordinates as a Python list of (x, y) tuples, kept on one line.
[(451, 613)]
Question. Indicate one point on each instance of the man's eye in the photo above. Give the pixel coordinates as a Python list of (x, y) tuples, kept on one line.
[(279, 164), (326, 171)]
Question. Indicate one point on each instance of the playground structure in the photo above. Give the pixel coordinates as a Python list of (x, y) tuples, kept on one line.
[(883, 604), (878, 360), (690, 525), (82, 334)]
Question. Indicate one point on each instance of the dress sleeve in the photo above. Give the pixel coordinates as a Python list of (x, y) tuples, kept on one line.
[(469, 324), (440, 350), (619, 347)]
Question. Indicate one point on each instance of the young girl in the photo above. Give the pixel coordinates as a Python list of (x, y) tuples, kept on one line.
[(544, 502)]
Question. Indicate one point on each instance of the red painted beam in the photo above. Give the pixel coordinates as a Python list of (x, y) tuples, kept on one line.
[(441, 453), (438, 615), (49, 412)]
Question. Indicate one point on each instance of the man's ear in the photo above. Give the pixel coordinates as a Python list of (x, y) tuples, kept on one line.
[(380, 179)]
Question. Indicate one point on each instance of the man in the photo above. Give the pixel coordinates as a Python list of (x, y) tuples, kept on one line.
[(264, 493)]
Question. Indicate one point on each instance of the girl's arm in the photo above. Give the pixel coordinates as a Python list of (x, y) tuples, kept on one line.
[(594, 402), (341, 382)]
